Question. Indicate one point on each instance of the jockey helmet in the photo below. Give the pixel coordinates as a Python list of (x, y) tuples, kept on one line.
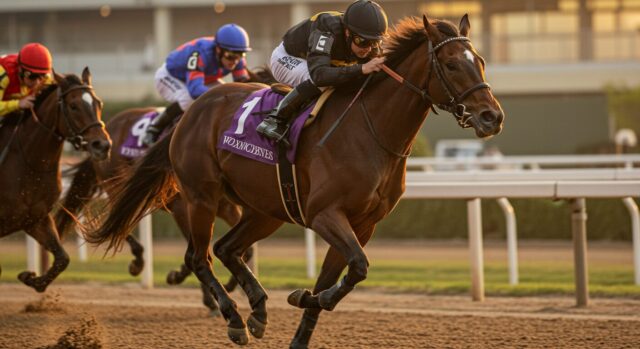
[(367, 19), (35, 58), (233, 37)]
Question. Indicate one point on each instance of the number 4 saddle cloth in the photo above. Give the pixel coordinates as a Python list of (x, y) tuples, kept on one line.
[(242, 139)]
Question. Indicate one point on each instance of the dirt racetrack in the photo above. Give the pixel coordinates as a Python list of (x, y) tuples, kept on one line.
[(101, 316)]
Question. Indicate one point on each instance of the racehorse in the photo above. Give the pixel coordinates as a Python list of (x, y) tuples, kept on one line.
[(88, 177), (347, 183), (30, 173)]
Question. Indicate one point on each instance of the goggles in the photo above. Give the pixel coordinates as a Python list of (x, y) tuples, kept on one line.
[(32, 76), (364, 43), (233, 55)]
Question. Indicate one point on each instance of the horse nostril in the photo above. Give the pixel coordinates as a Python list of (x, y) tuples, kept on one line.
[(99, 145), (490, 116)]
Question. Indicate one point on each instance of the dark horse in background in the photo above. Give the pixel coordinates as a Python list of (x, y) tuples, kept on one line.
[(346, 184), (30, 173), (90, 178)]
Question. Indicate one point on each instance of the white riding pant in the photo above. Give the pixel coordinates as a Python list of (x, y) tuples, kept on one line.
[(172, 89), (288, 69)]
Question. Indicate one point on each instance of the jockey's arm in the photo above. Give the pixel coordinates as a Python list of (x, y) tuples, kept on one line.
[(319, 60), (195, 78), (9, 106)]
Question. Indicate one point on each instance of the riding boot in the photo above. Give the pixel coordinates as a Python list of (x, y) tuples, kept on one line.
[(276, 125), (161, 122)]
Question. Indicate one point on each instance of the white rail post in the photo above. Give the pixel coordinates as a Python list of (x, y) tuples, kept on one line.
[(632, 207), (579, 228), (310, 242), (147, 242), (33, 256), (82, 248), (512, 239), (474, 220)]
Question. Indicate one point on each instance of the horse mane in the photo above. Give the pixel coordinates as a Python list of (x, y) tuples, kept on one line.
[(408, 34)]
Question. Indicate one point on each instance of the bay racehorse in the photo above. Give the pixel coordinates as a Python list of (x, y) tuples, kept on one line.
[(346, 184), (88, 177), (31, 143)]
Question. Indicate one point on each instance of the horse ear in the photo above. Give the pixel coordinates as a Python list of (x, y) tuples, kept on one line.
[(465, 25), (432, 32), (58, 78), (86, 76)]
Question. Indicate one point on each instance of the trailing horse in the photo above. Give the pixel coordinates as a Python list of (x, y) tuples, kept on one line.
[(347, 183), (30, 172)]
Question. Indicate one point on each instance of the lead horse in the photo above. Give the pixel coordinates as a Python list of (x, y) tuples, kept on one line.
[(30, 173), (346, 184)]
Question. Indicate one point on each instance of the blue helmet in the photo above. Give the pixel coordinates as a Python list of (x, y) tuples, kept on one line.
[(233, 37)]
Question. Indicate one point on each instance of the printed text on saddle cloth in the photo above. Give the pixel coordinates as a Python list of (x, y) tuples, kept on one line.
[(242, 139)]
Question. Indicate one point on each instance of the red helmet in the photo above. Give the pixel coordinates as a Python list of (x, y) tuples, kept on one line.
[(35, 58)]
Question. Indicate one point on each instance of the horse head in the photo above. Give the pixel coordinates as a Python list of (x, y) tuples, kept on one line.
[(80, 113), (457, 80)]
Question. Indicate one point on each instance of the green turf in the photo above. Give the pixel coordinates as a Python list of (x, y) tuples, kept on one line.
[(434, 277)]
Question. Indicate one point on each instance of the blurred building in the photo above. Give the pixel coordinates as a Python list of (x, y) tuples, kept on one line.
[(548, 60)]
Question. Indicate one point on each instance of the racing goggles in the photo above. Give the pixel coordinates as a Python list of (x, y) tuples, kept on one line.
[(233, 55), (32, 76), (364, 43)]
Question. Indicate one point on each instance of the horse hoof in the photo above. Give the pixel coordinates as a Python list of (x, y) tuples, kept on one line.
[(135, 268), (238, 335), (295, 298), (256, 327), (29, 278), (215, 313), (172, 278)]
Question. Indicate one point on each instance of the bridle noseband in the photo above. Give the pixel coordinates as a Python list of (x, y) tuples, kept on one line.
[(455, 103), (76, 138)]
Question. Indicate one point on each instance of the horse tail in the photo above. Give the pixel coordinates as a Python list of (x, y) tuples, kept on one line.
[(146, 186), (84, 186)]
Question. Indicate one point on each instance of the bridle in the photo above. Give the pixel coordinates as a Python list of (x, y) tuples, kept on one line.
[(77, 136), (455, 104)]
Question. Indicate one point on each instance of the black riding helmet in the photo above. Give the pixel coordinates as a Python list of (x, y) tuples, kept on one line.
[(367, 19)]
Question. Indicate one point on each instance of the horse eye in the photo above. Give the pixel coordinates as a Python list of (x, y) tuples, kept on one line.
[(73, 107), (451, 66)]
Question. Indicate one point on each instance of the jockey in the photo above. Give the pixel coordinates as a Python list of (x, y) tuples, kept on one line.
[(194, 67), (325, 50), (21, 74)]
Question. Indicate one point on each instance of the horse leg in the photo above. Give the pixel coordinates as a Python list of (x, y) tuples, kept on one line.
[(231, 214), (178, 210), (45, 233), (253, 226), (137, 264), (201, 222), (332, 267)]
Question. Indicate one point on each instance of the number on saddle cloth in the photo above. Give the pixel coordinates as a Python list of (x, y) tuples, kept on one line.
[(242, 139), (133, 147)]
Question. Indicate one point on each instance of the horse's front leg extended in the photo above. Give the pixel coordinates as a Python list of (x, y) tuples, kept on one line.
[(331, 269), (45, 233), (231, 248)]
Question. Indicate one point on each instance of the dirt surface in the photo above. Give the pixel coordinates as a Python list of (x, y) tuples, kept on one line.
[(100, 316)]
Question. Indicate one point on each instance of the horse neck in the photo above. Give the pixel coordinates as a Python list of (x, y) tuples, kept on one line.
[(397, 113), (42, 148)]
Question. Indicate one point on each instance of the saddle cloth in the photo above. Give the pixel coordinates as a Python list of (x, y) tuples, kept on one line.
[(133, 147), (242, 139)]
